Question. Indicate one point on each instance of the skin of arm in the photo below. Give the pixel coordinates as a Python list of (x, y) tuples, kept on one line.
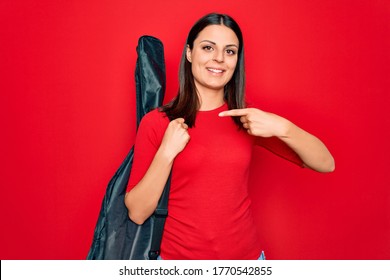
[(309, 148), (142, 200)]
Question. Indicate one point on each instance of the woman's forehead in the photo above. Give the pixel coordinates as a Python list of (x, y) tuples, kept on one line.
[(219, 34)]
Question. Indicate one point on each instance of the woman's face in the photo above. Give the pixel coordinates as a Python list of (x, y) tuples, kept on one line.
[(213, 57)]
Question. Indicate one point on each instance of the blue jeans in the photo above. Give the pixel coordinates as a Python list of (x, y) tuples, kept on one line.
[(261, 258)]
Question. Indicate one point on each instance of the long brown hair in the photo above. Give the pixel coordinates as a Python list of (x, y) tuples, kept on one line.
[(186, 103)]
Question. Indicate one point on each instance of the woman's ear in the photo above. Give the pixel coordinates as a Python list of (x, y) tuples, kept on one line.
[(188, 54)]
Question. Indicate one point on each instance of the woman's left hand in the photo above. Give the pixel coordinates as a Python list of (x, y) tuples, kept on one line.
[(309, 148), (260, 123)]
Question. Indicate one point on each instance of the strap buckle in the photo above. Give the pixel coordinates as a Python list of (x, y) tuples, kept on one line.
[(161, 213), (153, 255)]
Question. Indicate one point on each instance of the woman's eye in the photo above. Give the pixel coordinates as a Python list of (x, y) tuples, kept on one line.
[(230, 52), (207, 48)]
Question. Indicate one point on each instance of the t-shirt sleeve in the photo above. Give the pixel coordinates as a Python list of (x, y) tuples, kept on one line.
[(278, 147), (147, 142)]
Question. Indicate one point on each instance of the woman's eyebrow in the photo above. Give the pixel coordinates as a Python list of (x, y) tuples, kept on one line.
[(232, 45), (213, 43)]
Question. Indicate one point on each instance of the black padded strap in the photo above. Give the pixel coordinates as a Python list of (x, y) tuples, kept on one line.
[(160, 215)]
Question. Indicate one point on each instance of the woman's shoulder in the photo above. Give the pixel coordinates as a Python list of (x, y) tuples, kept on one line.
[(155, 115), (155, 120)]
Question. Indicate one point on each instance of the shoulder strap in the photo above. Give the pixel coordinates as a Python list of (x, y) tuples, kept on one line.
[(160, 215)]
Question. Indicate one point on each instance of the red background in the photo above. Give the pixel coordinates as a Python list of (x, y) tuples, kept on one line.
[(68, 117)]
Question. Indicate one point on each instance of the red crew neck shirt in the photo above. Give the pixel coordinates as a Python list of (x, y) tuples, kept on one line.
[(209, 206)]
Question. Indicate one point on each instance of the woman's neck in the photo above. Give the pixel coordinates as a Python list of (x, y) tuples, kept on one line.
[(211, 100)]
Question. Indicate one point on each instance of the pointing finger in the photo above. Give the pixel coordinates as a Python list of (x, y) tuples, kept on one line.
[(234, 113)]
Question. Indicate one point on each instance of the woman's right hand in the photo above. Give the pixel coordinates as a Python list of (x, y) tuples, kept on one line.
[(175, 138)]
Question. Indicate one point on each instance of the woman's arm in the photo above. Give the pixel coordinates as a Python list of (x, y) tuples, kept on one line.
[(309, 148), (142, 200)]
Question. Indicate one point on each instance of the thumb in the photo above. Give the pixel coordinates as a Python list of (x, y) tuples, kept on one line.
[(180, 120)]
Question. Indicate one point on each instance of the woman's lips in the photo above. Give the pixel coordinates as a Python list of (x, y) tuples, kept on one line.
[(215, 70)]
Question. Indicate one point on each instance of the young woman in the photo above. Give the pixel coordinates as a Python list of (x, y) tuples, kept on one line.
[(206, 136)]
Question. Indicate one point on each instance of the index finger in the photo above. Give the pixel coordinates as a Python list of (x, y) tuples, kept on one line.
[(234, 113)]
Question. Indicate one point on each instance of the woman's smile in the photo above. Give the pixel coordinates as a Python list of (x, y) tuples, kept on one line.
[(215, 70)]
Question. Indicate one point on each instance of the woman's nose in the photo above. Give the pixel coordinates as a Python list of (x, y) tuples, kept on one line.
[(218, 56)]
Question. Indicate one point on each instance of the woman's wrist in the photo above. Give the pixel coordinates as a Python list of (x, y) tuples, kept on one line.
[(285, 128), (165, 155)]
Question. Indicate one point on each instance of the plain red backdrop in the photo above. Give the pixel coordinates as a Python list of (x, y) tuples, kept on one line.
[(68, 117)]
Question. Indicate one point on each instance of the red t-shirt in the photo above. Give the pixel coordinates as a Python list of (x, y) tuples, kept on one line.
[(209, 206)]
